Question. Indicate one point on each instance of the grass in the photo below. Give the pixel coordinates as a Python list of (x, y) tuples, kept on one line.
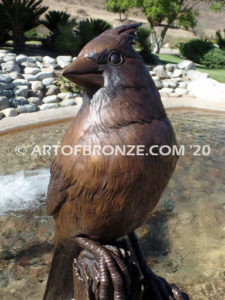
[(217, 74)]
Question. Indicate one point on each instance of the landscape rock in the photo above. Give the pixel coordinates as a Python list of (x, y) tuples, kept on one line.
[(51, 99), (67, 102), (32, 71), (180, 92), (9, 112), (208, 90), (6, 86), (36, 85), (49, 60), (21, 58), (29, 77), (28, 64), (49, 106), (28, 108), (170, 67), (169, 83), (177, 73), (5, 78), (16, 101), (195, 75), (166, 91), (35, 100), (6, 93), (52, 90), (63, 96), (78, 100), (1, 115), (182, 84), (48, 81), (4, 102), (21, 90), (160, 72), (15, 75), (10, 66), (43, 75), (158, 83), (186, 65), (63, 60), (21, 82), (9, 57)]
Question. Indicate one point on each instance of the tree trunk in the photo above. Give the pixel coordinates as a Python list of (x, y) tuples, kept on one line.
[(18, 38)]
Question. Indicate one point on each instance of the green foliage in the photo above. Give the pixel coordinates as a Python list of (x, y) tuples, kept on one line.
[(214, 58), (89, 29), (31, 33), (195, 49), (118, 6), (20, 16), (60, 24), (65, 41), (144, 44), (55, 18), (220, 41), (166, 12), (70, 41), (66, 85)]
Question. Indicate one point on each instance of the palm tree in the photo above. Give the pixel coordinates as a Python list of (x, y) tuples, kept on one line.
[(20, 16), (53, 21)]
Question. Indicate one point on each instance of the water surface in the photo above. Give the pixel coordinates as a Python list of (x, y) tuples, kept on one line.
[(184, 240)]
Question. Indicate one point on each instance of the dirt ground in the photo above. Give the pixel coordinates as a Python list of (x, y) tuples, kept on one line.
[(208, 21)]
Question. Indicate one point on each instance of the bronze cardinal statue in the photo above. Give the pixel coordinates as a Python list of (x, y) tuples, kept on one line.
[(97, 198)]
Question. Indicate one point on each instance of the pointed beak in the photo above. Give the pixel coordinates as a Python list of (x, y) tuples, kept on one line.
[(85, 73)]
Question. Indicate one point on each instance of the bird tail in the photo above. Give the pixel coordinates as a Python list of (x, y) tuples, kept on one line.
[(60, 280)]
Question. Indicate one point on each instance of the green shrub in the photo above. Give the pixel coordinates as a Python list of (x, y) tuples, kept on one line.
[(220, 41), (144, 44), (59, 23), (214, 58), (89, 29), (20, 16), (195, 49), (65, 41)]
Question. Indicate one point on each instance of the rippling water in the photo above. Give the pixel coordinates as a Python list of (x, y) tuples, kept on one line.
[(184, 240)]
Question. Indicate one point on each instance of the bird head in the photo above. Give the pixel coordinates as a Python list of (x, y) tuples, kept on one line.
[(108, 59)]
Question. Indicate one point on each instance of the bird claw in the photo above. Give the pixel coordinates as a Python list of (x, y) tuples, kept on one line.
[(160, 289), (112, 269)]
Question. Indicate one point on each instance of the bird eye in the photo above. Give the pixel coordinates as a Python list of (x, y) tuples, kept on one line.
[(115, 58)]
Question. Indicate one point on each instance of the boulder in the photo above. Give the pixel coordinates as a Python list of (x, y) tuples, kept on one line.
[(166, 91), (177, 73), (160, 72), (32, 71), (51, 90), (21, 58), (9, 57), (35, 100), (43, 75), (5, 78), (64, 96), (21, 90), (4, 102), (10, 66), (170, 67), (63, 60), (208, 89), (68, 102), (21, 82), (9, 112), (6, 93), (158, 83), (49, 60), (186, 65), (36, 85), (16, 101), (195, 75), (51, 99), (169, 83), (49, 106), (28, 108), (48, 81), (6, 86)]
